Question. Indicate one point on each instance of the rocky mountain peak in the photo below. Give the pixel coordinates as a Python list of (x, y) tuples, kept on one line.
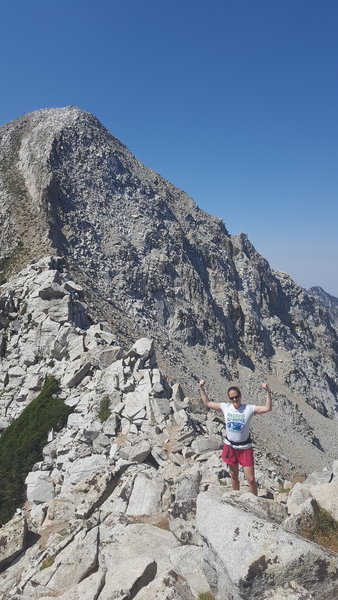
[(118, 287), (161, 266)]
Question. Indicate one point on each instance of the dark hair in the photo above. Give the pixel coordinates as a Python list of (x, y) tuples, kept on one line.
[(234, 389)]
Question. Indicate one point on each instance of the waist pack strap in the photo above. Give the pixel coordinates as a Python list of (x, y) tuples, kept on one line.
[(248, 441)]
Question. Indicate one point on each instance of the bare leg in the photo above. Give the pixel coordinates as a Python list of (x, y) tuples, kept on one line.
[(249, 473), (234, 476)]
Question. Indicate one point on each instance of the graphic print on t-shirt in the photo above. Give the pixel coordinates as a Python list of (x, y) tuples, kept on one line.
[(235, 421)]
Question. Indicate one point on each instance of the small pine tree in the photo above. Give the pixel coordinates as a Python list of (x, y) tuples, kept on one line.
[(22, 442)]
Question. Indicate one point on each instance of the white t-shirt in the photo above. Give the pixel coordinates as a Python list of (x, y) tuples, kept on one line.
[(237, 423)]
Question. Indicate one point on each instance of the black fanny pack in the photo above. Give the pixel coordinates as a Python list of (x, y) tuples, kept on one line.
[(248, 441)]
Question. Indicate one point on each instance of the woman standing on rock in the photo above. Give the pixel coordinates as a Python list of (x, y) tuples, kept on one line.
[(237, 449)]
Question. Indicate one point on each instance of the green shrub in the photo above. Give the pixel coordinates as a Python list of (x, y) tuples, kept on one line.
[(324, 531), (22, 443), (205, 596), (104, 412), (47, 562)]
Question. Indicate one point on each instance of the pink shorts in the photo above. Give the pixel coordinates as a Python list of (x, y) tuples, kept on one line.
[(233, 456)]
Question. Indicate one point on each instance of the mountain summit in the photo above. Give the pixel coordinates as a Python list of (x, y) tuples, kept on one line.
[(153, 264)]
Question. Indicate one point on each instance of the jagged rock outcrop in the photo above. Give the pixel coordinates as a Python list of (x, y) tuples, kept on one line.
[(320, 487), (12, 540), (329, 302), (111, 506), (248, 552), (97, 502)]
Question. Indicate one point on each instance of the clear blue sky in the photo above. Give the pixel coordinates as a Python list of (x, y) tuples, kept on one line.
[(234, 101)]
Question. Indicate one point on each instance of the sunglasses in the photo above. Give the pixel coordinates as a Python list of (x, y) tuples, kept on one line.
[(232, 398)]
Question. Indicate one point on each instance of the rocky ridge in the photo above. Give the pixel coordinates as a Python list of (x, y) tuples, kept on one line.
[(130, 507), (327, 300), (163, 268)]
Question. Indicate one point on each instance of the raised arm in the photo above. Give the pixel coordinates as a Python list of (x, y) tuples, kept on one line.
[(205, 399), (260, 410)]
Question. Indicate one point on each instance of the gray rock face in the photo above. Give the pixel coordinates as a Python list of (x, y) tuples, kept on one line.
[(329, 302), (320, 489), (40, 489), (303, 518), (12, 540), (248, 554), (290, 591)]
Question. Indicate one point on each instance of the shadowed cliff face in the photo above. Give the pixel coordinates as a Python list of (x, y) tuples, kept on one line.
[(153, 263)]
